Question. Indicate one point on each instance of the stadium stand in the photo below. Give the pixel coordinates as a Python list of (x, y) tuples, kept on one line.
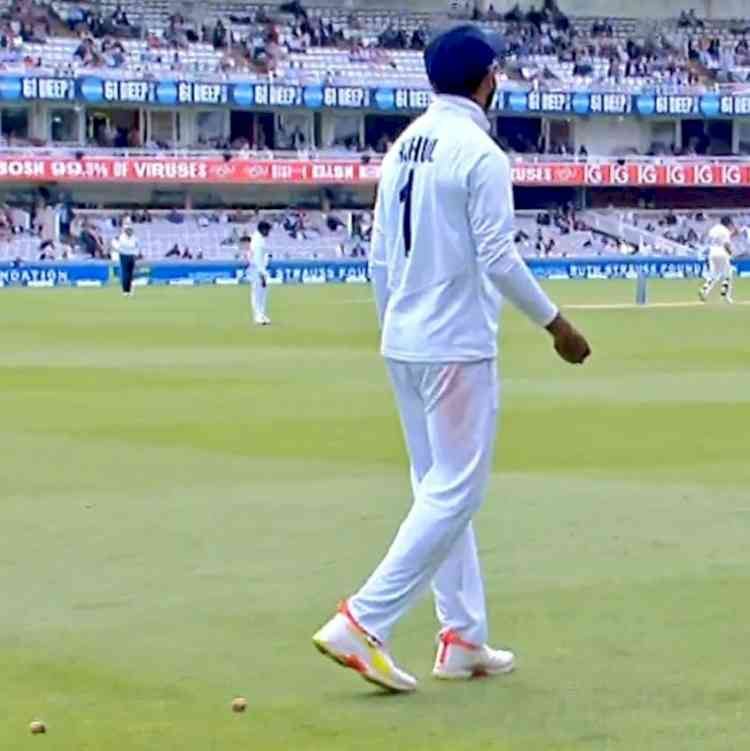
[(319, 45), (328, 44), (206, 235), (310, 235), (290, 43)]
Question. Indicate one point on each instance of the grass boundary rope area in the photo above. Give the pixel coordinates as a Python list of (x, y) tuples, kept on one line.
[(186, 497)]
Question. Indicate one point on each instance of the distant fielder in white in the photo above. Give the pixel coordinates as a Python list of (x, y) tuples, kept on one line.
[(254, 251), (442, 259), (719, 260)]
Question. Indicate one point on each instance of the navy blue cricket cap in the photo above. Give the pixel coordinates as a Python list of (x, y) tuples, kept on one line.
[(458, 59)]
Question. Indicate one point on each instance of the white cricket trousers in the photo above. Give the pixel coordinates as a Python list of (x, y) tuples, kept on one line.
[(719, 270), (258, 297), (719, 263), (449, 418)]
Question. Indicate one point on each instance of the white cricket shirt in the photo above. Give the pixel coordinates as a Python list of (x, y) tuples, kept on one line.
[(126, 245), (719, 237), (260, 257), (443, 254)]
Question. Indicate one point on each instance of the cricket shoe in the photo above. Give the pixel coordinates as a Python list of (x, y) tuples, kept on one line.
[(728, 299), (262, 321), (458, 659), (702, 295), (345, 641)]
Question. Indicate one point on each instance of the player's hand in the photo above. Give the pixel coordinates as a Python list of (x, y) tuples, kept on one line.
[(570, 344)]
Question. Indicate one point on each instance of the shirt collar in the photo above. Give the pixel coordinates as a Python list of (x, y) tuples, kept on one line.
[(460, 105)]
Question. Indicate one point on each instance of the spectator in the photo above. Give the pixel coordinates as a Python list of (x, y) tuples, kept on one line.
[(534, 17), (292, 224), (6, 223), (295, 8), (75, 17), (47, 250), (359, 250), (90, 242), (96, 26), (120, 17), (690, 20), (418, 39), (333, 222), (233, 238), (175, 34), (219, 35), (514, 15), (83, 51)]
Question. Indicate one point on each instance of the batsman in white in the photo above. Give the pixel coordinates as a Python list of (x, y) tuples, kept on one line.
[(442, 259), (719, 259), (255, 253)]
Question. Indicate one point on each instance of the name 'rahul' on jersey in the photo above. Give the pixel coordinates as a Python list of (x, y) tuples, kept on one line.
[(419, 150)]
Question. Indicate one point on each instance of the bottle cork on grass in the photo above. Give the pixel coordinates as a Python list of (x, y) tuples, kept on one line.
[(239, 704)]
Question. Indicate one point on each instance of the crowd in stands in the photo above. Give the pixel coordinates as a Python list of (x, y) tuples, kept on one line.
[(24, 22), (60, 232), (559, 231), (544, 45), (547, 46), (289, 41), (687, 229), (92, 22)]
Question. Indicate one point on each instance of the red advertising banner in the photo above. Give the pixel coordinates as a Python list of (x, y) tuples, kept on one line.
[(110, 169), (642, 173), (20, 168)]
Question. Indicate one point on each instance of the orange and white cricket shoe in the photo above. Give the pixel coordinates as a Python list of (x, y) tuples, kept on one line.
[(458, 659), (345, 641)]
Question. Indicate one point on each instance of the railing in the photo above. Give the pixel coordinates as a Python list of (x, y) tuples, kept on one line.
[(617, 227), (72, 149), (68, 150)]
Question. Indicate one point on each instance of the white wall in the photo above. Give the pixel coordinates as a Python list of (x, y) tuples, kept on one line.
[(39, 120), (741, 134), (612, 135)]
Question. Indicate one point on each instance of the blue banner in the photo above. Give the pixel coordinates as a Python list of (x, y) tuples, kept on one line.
[(51, 274), (318, 272), (186, 272), (97, 273), (234, 272), (618, 268), (170, 93), (586, 103)]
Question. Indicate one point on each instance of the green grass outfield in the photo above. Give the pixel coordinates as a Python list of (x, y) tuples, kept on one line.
[(184, 498)]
